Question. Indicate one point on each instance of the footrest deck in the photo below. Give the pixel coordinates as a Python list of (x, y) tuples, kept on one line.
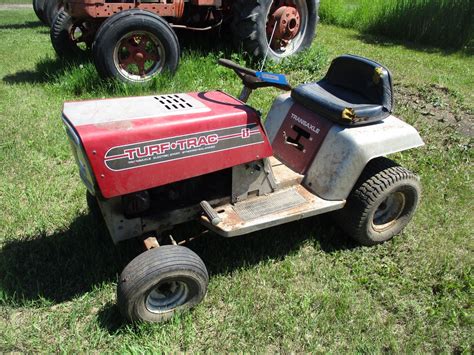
[(262, 212)]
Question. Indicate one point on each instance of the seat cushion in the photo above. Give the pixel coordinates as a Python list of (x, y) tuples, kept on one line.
[(338, 104)]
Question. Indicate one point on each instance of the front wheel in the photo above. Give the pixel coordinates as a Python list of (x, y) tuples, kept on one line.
[(381, 204), (135, 46), (160, 283), (281, 27)]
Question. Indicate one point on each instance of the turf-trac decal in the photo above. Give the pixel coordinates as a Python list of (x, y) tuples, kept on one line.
[(163, 150)]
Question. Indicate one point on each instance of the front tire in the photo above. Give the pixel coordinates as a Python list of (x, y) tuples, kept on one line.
[(135, 46), (161, 282), (381, 203), (292, 23)]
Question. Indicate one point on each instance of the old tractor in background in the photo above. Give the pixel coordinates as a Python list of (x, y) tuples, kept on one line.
[(135, 40)]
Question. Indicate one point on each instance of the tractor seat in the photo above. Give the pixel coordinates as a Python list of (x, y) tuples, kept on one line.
[(355, 91)]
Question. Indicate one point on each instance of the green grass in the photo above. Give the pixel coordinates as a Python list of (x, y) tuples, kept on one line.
[(4, 2), (300, 287), (444, 23)]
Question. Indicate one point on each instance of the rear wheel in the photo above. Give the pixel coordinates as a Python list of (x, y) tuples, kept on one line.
[(38, 7), (51, 9), (161, 282), (381, 204), (286, 26), (135, 46), (69, 38)]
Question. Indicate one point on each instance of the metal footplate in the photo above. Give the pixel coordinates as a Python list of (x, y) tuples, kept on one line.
[(261, 212)]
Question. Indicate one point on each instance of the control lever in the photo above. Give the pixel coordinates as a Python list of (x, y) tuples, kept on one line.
[(210, 213)]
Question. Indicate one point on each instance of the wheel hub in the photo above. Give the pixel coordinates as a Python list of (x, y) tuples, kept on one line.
[(166, 296), (388, 211), (284, 23), (139, 55)]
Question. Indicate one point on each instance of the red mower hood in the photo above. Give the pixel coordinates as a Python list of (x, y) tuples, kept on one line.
[(137, 143)]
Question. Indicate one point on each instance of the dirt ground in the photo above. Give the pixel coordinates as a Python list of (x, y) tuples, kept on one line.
[(438, 103)]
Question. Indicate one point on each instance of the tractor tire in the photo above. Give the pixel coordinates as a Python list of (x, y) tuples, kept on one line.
[(381, 203), (135, 46), (254, 23), (38, 7), (62, 35), (161, 282), (51, 9)]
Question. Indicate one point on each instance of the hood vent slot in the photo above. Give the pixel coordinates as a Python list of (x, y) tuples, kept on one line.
[(174, 102)]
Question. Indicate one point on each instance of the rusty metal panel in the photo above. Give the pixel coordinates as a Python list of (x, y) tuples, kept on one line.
[(101, 9), (217, 3)]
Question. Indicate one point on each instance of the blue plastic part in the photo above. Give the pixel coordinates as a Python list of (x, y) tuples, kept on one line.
[(272, 78)]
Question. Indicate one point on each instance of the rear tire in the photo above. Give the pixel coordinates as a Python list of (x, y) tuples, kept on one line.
[(51, 9), (63, 32), (381, 203), (135, 46), (38, 7), (161, 282), (252, 27)]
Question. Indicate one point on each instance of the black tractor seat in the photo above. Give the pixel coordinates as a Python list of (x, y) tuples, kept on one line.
[(355, 91)]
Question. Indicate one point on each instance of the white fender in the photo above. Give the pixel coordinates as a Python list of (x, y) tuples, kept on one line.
[(346, 150)]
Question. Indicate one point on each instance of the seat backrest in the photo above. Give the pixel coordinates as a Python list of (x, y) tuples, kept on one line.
[(364, 76)]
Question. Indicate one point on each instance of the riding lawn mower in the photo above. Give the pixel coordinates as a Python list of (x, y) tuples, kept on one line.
[(153, 162)]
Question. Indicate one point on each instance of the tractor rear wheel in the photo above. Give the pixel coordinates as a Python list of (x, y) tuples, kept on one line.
[(286, 26), (38, 7), (70, 39), (135, 46), (161, 282), (381, 203), (51, 9)]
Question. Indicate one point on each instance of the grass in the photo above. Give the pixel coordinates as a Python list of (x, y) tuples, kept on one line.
[(443, 23), (5, 2), (301, 287)]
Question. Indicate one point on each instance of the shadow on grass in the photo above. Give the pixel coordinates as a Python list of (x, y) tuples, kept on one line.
[(46, 70), (72, 262), (225, 255), (20, 26), (61, 266), (49, 70)]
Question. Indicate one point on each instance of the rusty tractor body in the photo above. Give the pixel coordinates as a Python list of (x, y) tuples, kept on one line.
[(135, 40)]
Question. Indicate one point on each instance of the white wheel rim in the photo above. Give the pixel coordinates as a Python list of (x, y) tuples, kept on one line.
[(166, 296), (388, 211)]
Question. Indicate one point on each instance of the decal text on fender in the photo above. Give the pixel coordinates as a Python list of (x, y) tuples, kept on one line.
[(140, 154)]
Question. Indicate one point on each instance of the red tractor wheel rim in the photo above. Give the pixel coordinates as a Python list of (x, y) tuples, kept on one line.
[(81, 35), (286, 23), (139, 55)]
